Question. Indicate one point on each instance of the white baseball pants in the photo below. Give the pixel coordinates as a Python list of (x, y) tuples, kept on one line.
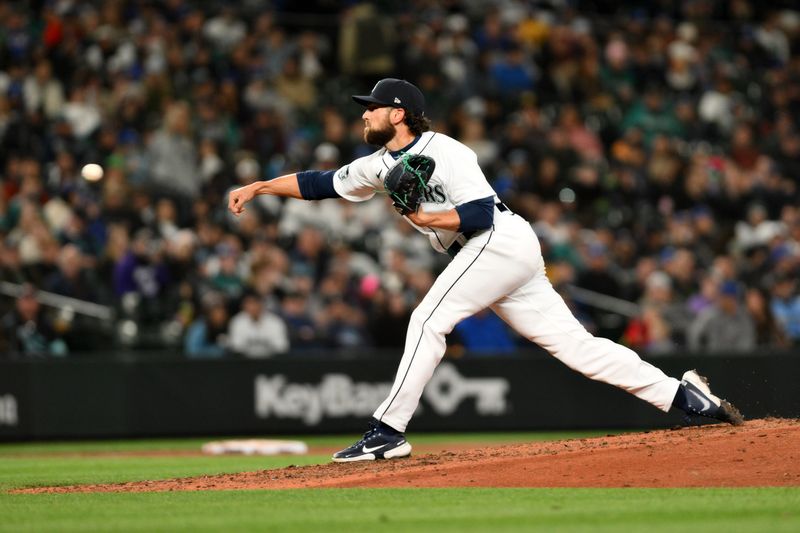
[(503, 268)]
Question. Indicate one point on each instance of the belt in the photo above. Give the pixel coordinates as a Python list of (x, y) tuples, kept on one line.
[(457, 246)]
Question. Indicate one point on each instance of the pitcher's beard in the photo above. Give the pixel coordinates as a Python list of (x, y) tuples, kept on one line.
[(379, 137)]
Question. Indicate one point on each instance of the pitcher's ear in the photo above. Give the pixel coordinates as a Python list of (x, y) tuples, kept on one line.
[(398, 118)]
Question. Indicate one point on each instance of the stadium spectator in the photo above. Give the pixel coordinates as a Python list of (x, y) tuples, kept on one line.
[(72, 278), (173, 156), (484, 334), (141, 278), (388, 317), (303, 331), (652, 115), (785, 305), (30, 332), (665, 319), (207, 336), (255, 332), (726, 326), (768, 331)]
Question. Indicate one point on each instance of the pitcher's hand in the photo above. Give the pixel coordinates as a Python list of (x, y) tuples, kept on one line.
[(238, 198), (419, 217)]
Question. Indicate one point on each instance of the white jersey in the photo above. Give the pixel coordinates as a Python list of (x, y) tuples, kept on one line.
[(457, 179)]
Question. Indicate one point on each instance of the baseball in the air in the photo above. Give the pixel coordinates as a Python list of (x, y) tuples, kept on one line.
[(92, 172)]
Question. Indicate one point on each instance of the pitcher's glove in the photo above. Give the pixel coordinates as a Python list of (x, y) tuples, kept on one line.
[(407, 180)]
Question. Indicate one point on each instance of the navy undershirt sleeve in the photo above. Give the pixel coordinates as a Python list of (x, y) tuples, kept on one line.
[(316, 184), (476, 215)]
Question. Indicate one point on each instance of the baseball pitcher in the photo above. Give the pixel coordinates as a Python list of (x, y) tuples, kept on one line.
[(436, 184)]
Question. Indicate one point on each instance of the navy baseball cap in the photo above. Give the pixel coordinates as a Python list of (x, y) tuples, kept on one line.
[(395, 93)]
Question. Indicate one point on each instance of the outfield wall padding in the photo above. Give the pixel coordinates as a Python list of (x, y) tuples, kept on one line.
[(83, 398)]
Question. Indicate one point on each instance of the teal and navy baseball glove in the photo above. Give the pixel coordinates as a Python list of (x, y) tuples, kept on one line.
[(407, 181)]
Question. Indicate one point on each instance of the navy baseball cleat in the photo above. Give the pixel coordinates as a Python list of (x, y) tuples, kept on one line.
[(379, 442), (698, 400)]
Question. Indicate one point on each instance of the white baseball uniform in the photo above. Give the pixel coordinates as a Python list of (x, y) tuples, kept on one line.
[(500, 267)]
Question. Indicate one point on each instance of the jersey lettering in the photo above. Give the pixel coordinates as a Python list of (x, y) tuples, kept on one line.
[(434, 194)]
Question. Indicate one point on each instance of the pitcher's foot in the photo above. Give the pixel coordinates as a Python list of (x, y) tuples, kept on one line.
[(698, 400), (379, 442)]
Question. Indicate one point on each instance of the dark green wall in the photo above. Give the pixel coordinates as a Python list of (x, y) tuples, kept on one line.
[(115, 398)]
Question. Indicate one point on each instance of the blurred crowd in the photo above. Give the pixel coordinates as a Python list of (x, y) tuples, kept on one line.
[(656, 151)]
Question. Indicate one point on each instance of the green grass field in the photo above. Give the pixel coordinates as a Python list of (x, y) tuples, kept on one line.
[(474, 509)]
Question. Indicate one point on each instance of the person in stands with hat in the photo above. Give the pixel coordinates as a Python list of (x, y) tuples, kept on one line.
[(726, 325), (27, 331)]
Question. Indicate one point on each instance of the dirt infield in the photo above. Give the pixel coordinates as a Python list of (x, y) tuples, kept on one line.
[(759, 453)]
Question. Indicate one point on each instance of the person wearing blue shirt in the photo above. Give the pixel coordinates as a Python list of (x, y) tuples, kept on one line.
[(484, 333)]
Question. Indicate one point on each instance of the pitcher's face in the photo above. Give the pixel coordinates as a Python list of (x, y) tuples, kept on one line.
[(378, 128)]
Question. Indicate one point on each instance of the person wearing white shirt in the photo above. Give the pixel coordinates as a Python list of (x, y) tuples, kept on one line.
[(254, 332)]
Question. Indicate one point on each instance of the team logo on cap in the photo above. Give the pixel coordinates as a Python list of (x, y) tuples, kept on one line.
[(397, 100)]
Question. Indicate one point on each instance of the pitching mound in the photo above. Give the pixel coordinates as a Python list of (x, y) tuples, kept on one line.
[(759, 453)]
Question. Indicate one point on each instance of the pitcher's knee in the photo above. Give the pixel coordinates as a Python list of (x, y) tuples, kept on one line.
[(435, 323), (417, 319)]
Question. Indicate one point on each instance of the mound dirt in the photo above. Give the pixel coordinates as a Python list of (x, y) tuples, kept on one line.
[(759, 453)]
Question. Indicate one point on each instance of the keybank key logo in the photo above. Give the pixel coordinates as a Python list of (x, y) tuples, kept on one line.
[(8, 410), (338, 396), (447, 389)]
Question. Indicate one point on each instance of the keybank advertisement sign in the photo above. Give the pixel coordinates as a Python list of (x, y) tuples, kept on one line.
[(106, 397), (339, 396)]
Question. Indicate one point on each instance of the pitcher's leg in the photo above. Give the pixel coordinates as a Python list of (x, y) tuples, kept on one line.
[(539, 313), (468, 284), (424, 348)]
